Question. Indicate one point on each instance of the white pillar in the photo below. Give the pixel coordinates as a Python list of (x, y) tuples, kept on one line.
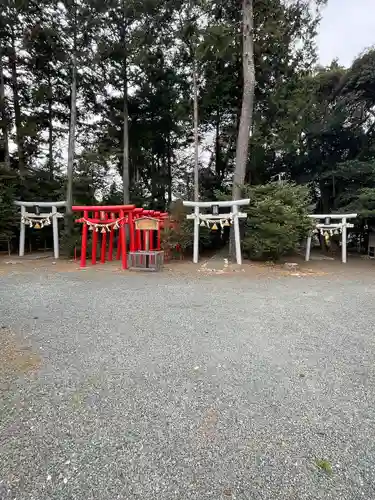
[(22, 233), (343, 240), (55, 228), (237, 239), (196, 236), (308, 247)]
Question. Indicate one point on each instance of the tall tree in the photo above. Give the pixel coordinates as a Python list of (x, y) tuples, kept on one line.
[(72, 134), (50, 88), (196, 133), (125, 159), (247, 98), (73, 109), (19, 136), (4, 144), (189, 33)]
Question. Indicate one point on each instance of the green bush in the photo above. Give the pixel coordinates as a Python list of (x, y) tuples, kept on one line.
[(9, 220), (277, 220)]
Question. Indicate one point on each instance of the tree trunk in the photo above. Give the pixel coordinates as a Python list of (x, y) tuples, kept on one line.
[(50, 129), (218, 168), (247, 98), (125, 160), (169, 168), (196, 138), (125, 136), (4, 145), (154, 180), (17, 109), (72, 132)]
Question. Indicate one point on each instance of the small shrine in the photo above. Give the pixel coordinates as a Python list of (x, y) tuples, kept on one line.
[(148, 258)]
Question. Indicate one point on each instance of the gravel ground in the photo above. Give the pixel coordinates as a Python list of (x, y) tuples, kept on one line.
[(152, 387)]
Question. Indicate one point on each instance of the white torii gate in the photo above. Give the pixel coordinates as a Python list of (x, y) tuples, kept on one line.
[(42, 219), (232, 216), (329, 227)]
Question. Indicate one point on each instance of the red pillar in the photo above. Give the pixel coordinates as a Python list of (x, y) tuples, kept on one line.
[(104, 243), (131, 231), (118, 253), (159, 236), (94, 241), (123, 241), (111, 236), (144, 240), (139, 241), (84, 241)]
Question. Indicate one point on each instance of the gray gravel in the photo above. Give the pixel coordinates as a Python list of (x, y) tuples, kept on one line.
[(155, 387)]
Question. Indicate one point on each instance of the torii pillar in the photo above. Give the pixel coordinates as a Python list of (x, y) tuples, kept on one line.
[(233, 215)]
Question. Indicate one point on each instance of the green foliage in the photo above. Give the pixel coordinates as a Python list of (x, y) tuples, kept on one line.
[(182, 234), (8, 212), (177, 236), (277, 220), (181, 231), (70, 237), (331, 138), (352, 186), (362, 202), (324, 465)]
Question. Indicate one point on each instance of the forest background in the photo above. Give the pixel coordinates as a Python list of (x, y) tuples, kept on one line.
[(128, 70)]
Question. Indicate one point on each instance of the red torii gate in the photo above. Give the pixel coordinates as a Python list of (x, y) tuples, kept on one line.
[(108, 219)]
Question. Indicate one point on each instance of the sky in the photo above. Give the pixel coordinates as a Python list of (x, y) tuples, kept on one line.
[(347, 28)]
